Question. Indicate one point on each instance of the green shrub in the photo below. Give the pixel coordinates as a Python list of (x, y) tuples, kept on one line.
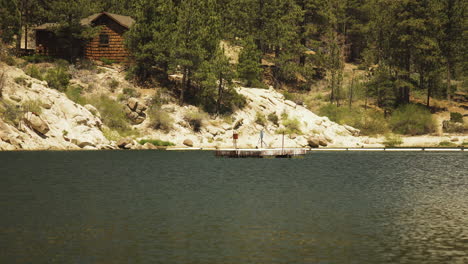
[(62, 63), (454, 127), (273, 118), (258, 84), (34, 106), (160, 119), (161, 97), (291, 126), (112, 114), (131, 92), (37, 58), (9, 60), (232, 100), (195, 120), (447, 144), (21, 80), (288, 96), (456, 117), (85, 64), (74, 93), (113, 84), (295, 97), (34, 72), (111, 134), (412, 120), (128, 93), (370, 122), (107, 61), (260, 119), (156, 142), (10, 112), (392, 141), (58, 78)]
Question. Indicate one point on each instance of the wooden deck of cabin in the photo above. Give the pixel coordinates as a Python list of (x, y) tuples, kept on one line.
[(260, 153)]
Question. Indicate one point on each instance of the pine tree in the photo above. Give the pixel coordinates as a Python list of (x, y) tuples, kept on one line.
[(452, 39), (334, 40), (10, 20), (31, 14), (67, 15), (121, 7), (151, 39), (249, 66), (215, 76), (196, 37)]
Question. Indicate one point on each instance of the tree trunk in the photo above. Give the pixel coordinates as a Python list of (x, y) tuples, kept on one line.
[(19, 36), (351, 92), (182, 87), (220, 93), (449, 82), (26, 37), (429, 90), (332, 86), (421, 80)]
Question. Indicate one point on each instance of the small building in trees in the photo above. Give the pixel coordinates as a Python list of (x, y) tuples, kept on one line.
[(107, 43)]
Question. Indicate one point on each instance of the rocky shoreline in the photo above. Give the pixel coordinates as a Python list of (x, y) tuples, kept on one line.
[(54, 122)]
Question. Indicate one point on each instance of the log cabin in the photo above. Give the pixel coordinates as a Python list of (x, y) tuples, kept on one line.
[(108, 43)]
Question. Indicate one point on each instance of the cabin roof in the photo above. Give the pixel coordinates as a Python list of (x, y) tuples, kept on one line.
[(124, 21)]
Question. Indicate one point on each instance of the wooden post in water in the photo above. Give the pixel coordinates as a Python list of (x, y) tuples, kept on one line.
[(282, 145), (235, 136)]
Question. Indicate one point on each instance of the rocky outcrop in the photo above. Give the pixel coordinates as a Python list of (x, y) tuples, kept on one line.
[(218, 131), (149, 146), (125, 143), (67, 125), (36, 123), (188, 143), (135, 111), (354, 131), (60, 123), (313, 142)]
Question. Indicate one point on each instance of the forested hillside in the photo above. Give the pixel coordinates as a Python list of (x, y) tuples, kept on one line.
[(403, 51)]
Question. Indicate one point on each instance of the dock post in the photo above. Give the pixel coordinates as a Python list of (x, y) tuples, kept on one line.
[(235, 136), (282, 145)]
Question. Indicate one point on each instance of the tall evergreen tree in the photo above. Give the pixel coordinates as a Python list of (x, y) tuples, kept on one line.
[(67, 16), (151, 39), (196, 37), (10, 20), (215, 76), (31, 14), (452, 39), (249, 65), (121, 7)]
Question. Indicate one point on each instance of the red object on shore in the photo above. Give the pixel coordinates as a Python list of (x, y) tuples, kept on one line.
[(235, 136)]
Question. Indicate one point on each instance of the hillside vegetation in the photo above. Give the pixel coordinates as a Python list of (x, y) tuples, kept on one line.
[(381, 66)]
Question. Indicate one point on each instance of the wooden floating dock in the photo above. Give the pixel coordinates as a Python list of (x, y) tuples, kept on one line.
[(392, 149), (260, 153)]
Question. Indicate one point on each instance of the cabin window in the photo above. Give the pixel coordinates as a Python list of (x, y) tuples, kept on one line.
[(104, 40)]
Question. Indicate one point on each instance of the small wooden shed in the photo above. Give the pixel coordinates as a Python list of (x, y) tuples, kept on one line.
[(108, 43)]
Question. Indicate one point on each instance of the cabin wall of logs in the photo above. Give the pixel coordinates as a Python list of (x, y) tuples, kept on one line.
[(108, 43)]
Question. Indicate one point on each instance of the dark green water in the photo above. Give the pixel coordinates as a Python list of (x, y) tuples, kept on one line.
[(190, 207)]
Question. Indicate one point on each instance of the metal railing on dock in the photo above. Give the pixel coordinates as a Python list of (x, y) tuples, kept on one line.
[(260, 153)]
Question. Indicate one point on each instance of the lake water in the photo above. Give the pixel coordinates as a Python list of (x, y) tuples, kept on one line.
[(190, 207)]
